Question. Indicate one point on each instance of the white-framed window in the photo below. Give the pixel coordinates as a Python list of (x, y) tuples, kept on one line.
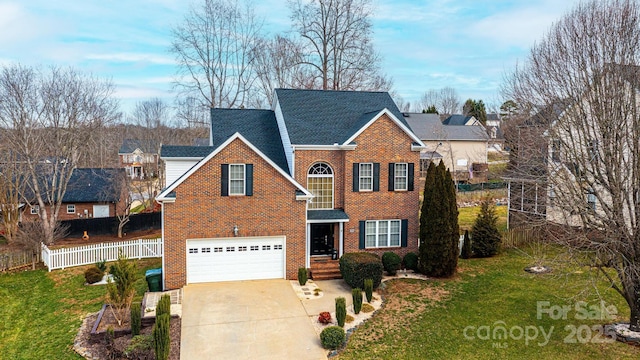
[(320, 184), (462, 162), (236, 179), (400, 176), (365, 175), (382, 233), (35, 209), (71, 209)]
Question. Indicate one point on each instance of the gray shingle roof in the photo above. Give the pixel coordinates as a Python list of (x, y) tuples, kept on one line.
[(428, 127), (317, 117), (185, 151), (258, 126), (93, 185), (456, 120), (130, 145), (334, 214)]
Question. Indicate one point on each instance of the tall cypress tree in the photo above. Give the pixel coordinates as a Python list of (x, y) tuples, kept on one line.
[(438, 253)]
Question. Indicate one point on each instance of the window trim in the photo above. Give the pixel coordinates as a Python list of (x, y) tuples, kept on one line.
[(243, 179), (361, 177), (327, 175), (387, 233), (35, 209), (405, 176), (74, 208)]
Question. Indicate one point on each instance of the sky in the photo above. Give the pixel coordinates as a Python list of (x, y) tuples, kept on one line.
[(466, 44)]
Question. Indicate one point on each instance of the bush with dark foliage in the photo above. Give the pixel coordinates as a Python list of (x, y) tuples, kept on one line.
[(92, 275), (391, 262), (355, 267), (332, 337), (410, 261)]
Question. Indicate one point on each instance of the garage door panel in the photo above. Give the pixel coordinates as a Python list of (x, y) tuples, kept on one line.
[(230, 259)]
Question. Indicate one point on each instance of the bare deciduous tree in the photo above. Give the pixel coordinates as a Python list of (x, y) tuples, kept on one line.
[(446, 100), (50, 118), (585, 74), (336, 44), (213, 47), (11, 186)]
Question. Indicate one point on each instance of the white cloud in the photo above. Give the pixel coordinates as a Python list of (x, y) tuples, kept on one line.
[(133, 58)]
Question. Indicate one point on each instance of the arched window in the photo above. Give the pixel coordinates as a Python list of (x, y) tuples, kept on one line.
[(320, 183)]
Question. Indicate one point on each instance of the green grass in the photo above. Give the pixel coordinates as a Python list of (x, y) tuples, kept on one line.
[(427, 319), (467, 216), (41, 312)]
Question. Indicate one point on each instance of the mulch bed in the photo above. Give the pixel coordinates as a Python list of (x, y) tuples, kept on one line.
[(99, 350)]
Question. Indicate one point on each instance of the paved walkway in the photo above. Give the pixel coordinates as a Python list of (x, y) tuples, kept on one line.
[(262, 319)]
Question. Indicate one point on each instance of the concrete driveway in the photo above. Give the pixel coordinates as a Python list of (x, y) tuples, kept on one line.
[(262, 319)]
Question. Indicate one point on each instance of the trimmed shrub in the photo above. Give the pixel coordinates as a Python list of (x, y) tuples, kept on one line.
[(368, 289), (92, 275), (355, 267), (303, 276), (324, 317), (341, 310), (161, 337), (410, 261), (332, 337), (140, 348), (163, 306), (136, 319), (357, 300), (391, 262)]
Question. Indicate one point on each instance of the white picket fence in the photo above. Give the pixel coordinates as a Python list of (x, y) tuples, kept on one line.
[(90, 254)]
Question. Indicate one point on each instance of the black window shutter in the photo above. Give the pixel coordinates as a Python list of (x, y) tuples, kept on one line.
[(248, 177), (224, 180), (392, 175), (376, 176), (404, 226), (356, 177), (410, 177), (362, 235)]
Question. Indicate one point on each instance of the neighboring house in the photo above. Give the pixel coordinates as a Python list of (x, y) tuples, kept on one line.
[(91, 193), (459, 146), (461, 120), (139, 158), (494, 130), (321, 173)]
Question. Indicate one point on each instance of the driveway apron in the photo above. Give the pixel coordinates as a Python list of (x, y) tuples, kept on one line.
[(262, 319)]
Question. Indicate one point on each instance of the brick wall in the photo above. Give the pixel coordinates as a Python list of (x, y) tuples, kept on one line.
[(201, 212), (383, 142), (62, 215)]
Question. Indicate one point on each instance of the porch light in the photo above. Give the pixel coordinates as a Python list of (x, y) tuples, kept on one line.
[(235, 230)]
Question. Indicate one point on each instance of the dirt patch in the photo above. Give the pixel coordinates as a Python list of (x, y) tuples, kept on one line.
[(101, 350)]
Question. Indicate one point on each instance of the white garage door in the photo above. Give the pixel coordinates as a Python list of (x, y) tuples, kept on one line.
[(100, 211), (230, 259)]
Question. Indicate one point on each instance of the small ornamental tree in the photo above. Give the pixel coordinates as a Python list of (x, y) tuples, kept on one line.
[(466, 246), (485, 234), (121, 290), (439, 231)]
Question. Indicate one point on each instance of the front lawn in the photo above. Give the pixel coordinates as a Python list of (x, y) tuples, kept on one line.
[(41, 311), (462, 318)]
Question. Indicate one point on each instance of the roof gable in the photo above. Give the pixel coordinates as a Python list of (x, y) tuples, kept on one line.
[(130, 145), (367, 119), (166, 193), (326, 117)]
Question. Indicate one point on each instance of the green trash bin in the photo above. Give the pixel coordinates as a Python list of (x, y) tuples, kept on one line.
[(154, 279)]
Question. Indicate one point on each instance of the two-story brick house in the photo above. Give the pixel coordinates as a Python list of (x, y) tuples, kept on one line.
[(322, 172)]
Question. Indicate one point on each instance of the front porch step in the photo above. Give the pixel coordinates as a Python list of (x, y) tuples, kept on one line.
[(325, 269)]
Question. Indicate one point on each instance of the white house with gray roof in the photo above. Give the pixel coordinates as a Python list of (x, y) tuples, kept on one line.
[(459, 146)]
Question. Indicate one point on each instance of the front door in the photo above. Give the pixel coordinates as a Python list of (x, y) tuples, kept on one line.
[(321, 239)]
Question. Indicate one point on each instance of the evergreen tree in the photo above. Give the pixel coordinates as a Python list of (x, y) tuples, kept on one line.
[(466, 246), (438, 251), (485, 234), (430, 110)]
